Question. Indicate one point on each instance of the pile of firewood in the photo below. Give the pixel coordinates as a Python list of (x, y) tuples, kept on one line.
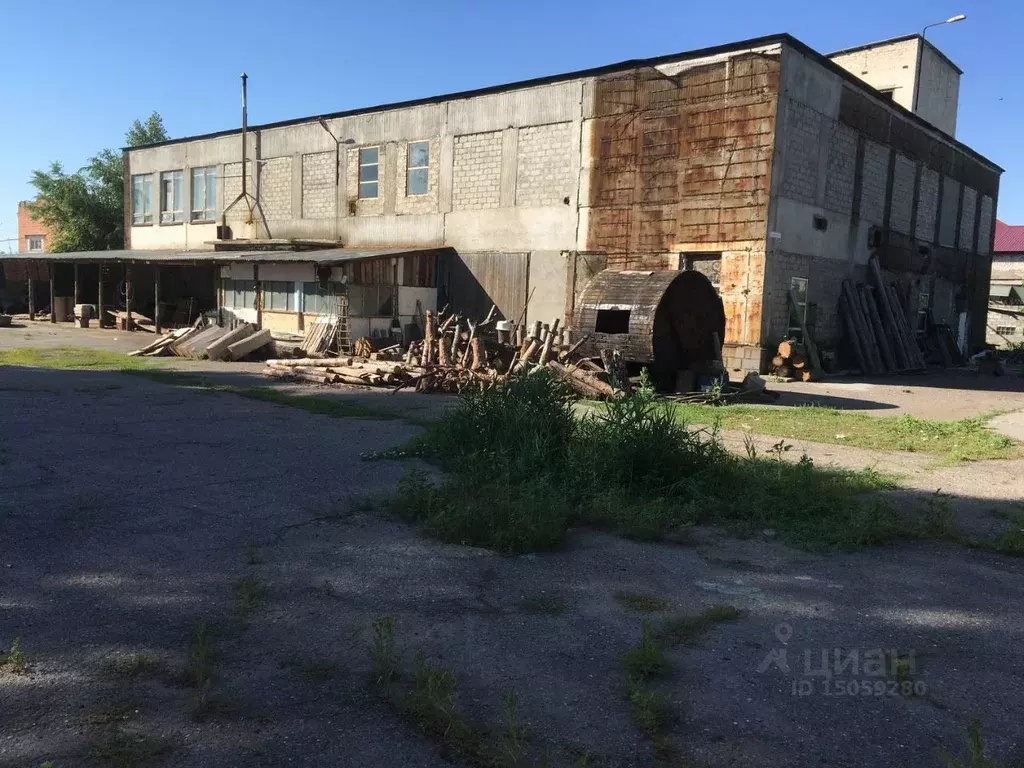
[(792, 362), (455, 354)]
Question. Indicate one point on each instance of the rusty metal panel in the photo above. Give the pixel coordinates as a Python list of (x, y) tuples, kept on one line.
[(25, 269), (683, 158), (474, 281)]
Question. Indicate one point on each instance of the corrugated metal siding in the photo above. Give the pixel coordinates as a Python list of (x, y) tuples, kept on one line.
[(473, 281)]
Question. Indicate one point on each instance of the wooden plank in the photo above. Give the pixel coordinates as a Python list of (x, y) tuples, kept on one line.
[(901, 349), (851, 331), (218, 350), (250, 344), (867, 337)]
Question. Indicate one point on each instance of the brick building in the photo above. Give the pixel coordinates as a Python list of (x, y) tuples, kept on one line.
[(33, 236), (762, 163)]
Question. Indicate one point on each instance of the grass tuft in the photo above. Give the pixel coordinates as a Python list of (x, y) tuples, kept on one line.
[(952, 441), (523, 470), (689, 630), (642, 603), (975, 754), (15, 659), (383, 655), (646, 660)]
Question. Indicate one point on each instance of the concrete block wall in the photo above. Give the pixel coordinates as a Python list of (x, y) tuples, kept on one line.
[(967, 213), (544, 167), (927, 204), (476, 178), (231, 186), (842, 169), (902, 206), (985, 225), (874, 181), (802, 139), (275, 189), (318, 179)]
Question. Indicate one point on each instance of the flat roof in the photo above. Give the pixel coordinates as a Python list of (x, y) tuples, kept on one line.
[(893, 41), (317, 256), (756, 42)]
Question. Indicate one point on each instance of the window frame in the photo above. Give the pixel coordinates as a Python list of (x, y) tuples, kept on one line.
[(1006, 330), (423, 170), (28, 243), (208, 212), (142, 181), (274, 287), (796, 331), (171, 215), (359, 173)]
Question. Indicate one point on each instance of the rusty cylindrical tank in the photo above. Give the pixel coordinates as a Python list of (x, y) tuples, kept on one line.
[(664, 320)]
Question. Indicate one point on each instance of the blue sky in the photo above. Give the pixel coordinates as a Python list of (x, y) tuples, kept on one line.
[(73, 74)]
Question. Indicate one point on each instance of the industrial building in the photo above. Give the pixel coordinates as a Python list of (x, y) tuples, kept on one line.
[(763, 164)]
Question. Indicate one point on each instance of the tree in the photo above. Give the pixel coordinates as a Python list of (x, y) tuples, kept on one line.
[(85, 210)]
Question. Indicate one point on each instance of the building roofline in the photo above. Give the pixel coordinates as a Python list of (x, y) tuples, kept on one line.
[(700, 53), (893, 40)]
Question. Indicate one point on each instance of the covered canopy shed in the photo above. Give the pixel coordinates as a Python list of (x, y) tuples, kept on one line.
[(668, 321)]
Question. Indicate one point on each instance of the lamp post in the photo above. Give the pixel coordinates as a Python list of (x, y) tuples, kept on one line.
[(920, 54)]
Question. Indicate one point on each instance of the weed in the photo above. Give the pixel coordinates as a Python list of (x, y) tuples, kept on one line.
[(432, 699), (749, 446), (514, 737), (631, 467), (252, 554), (647, 708), (120, 749), (47, 764), (642, 603), (248, 594), (16, 660), (688, 630), (975, 751), (646, 660), (952, 441), (200, 665), (1007, 543), (545, 605), (382, 650)]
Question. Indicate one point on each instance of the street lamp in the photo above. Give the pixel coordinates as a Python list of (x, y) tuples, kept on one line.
[(920, 53)]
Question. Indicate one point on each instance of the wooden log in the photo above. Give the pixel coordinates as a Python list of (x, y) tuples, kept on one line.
[(456, 353), (575, 347), (864, 332), (250, 344), (808, 375), (312, 362), (784, 371), (538, 327), (786, 348), (778, 360), (797, 361), (474, 346), (871, 309), (545, 350), (578, 383), (862, 308), (851, 332), (524, 359), (913, 349), (901, 348), (469, 344), (218, 350), (428, 337)]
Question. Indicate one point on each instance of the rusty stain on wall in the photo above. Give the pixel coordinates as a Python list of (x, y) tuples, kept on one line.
[(683, 162)]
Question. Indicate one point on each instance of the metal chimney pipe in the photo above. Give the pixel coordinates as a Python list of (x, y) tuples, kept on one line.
[(245, 128)]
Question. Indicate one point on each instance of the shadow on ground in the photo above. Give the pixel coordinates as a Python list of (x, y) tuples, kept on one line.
[(131, 512)]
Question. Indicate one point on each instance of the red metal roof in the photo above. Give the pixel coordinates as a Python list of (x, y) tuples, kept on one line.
[(1009, 238)]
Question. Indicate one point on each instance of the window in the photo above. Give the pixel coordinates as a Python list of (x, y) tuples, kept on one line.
[(239, 294), (368, 159), (279, 296), (204, 194), (171, 184), (142, 199), (924, 303), (888, 93), (34, 243), (707, 263), (320, 299), (612, 321), (417, 182), (797, 308), (1005, 330)]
